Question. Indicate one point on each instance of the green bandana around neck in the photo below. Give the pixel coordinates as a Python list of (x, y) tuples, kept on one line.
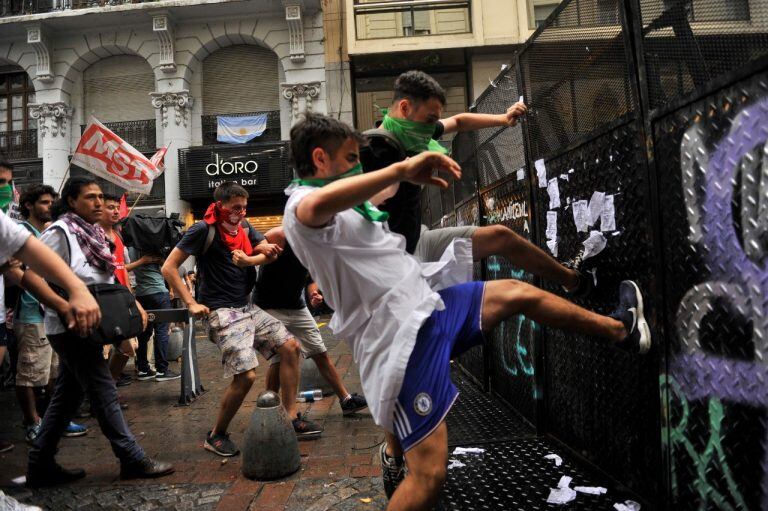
[(416, 137), (366, 209), (6, 197)]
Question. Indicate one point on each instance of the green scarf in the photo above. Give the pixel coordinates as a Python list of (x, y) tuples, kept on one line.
[(368, 210), (6, 197), (416, 137)]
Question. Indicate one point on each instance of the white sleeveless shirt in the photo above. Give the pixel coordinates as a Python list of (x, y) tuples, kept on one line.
[(62, 241)]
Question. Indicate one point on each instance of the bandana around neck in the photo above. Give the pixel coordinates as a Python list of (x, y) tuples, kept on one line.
[(6, 197), (232, 234), (366, 209), (416, 137), (92, 240)]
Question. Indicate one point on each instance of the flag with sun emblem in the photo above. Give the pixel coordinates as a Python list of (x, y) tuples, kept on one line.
[(239, 130)]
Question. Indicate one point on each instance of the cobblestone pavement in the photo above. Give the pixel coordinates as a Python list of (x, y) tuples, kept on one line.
[(338, 472)]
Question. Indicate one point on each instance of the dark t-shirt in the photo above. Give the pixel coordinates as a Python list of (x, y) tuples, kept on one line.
[(281, 283), (220, 282), (404, 207)]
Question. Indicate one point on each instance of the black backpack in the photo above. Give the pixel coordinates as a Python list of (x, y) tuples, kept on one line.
[(383, 149)]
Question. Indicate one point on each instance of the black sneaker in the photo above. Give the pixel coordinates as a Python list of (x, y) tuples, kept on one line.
[(392, 472), (51, 474), (586, 278), (306, 429), (168, 375), (145, 375), (354, 403), (124, 380), (630, 312), (221, 445), (145, 469)]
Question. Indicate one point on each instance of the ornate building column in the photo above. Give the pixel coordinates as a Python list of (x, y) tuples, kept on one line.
[(175, 112), (298, 92), (53, 124)]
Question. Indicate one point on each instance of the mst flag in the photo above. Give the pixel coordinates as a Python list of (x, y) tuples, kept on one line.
[(112, 158), (158, 160)]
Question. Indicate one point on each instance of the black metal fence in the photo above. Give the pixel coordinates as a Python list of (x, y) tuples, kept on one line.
[(647, 128)]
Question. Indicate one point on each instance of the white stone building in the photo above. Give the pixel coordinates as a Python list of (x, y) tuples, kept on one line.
[(158, 73)]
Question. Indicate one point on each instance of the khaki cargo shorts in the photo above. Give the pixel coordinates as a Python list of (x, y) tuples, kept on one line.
[(38, 362), (302, 325)]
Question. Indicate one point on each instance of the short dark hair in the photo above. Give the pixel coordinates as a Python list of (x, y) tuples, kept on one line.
[(112, 196), (71, 190), (228, 190), (317, 130), (5, 164), (32, 195), (418, 86)]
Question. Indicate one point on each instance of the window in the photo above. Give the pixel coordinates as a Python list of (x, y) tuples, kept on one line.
[(542, 10), (16, 93)]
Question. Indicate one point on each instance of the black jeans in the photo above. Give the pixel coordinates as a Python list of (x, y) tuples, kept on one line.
[(82, 369), (155, 301)]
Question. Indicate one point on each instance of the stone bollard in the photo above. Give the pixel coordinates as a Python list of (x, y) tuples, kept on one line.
[(271, 450), (175, 343), (311, 378)]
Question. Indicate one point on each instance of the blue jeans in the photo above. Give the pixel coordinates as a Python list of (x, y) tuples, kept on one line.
[(154, 301), (83, 370)]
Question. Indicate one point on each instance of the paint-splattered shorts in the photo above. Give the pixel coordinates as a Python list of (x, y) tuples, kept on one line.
[(240, 333)]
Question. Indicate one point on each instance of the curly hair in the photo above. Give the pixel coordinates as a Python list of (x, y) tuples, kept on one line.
[(32, 195)]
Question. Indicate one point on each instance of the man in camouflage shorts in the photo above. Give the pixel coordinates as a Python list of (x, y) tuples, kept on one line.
[(240, 330)]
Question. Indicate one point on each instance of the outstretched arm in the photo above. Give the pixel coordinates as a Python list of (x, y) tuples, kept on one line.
[(469, 122), (317, 208)]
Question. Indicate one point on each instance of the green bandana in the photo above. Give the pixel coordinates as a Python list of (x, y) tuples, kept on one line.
[(416, 137), (368, 210), (6, 197)]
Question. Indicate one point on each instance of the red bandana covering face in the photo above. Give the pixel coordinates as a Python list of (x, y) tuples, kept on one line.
[(228, 224)]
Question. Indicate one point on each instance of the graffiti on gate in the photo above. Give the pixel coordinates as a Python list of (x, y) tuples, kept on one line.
[(722, 323), (520, 360)]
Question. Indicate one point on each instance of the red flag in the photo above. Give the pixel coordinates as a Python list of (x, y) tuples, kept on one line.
[(158, 160), (123, 207), (112, 158)]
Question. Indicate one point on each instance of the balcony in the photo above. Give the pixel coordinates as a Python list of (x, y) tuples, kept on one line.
[(382, 19), (272, 133), (21, 7), (140, 134), (18, 145)]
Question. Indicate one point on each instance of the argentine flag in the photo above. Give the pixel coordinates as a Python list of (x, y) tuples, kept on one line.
[(239, 130)]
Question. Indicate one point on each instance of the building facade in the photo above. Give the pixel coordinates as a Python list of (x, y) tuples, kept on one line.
[(159, 74)]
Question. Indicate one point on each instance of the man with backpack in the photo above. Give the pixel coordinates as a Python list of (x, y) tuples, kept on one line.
[(412, 126), (226, 249)]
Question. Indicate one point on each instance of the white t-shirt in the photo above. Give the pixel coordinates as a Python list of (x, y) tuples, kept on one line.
[(12, 238), (381, 295)]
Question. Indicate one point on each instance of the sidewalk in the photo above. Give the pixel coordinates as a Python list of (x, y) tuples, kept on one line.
[(338, 472)]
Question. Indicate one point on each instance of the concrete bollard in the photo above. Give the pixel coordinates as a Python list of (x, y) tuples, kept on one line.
[(311, 378), (271, 450)]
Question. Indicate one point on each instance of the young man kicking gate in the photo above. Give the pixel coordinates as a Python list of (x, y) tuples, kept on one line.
[(405, 319)]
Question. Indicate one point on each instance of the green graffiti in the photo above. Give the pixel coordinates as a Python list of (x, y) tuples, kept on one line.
[(705, 462)]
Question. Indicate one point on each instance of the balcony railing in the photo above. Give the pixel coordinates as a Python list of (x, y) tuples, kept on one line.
[(272, 132), (18, 145), (382, 19), (140, 134), (19, 7)]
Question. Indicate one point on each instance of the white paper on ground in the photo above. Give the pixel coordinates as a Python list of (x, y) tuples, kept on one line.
[(564, 177), (580, 215), (19, 480), (552, 246), (628, 505), (592, 490), (562, 494), (596, 206), (558, 459), (541, 173), (594, 244), (608, 216), (551, 225), (554, 193), (520, 174), (468, 450), (455, 464)]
